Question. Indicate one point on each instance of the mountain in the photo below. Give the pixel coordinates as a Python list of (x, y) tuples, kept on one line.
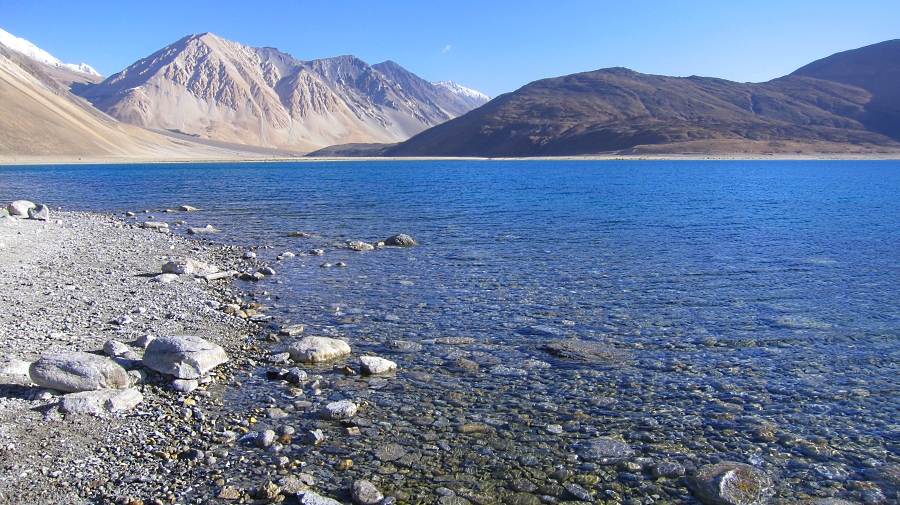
[(25, 47), (874, 68), (844, 103), (212, 88), (41, 120)]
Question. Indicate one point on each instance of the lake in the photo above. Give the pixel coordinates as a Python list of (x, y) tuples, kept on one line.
[(698, 311)]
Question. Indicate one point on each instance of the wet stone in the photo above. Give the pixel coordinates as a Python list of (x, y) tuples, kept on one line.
[(730, 483), (578, 492)]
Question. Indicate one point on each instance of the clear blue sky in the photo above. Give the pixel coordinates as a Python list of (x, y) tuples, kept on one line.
[(491, 46)]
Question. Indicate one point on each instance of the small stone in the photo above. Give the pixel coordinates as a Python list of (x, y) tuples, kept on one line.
[(292, 331), (314, 437), (276, 413), (165, 278), (265, 439), (311, 498), (122, 321), (469, 428), (291, 484), (249, 255), (344, 465), (267, 491), (154, 225), (257, 276), (364, 492), (201, 231), (39, 213), (185, 385), (356, 245), (229, 493), (400, 240), (669, 470), (115, 348), (187, 208), (267, 271), (578, 492), (295, 376), (299, 234), (344, 409), (144, 340), (317, 252), (191, 455)]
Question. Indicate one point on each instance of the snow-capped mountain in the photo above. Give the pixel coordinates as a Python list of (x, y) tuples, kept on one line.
[(212, 88), (34, 52), (463, 91)]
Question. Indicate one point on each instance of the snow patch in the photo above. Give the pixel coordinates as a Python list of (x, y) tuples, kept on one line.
[(462, 90), (34, 52)]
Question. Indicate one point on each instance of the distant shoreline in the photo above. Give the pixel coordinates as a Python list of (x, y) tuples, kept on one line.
[(72, 160)]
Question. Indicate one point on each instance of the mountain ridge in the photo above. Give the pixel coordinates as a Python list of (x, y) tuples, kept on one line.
[(222, 90), (620, 111)]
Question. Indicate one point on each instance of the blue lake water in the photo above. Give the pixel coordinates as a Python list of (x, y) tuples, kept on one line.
[(733, 296)]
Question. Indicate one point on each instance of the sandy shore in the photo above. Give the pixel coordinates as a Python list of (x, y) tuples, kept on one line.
[(63, 160), (62, 284)]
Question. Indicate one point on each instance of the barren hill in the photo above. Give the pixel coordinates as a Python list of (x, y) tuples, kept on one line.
[(829, 106)]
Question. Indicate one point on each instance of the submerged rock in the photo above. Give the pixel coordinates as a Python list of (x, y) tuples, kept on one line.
[(185, 357), (373, 365), (581, 350), (364, 492), (344, 409), (318, 349), (78, 371), (357, 245), (603, 449), (730, 483)]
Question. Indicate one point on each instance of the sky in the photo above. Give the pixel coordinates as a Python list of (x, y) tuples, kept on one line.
[(491, 46)]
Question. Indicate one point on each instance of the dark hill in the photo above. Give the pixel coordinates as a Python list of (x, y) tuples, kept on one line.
[(874, 68), (617, 110)]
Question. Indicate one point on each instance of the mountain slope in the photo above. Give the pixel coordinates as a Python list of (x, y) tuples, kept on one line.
[(40, 118), (618, 109), (216, 89), (874, 68)]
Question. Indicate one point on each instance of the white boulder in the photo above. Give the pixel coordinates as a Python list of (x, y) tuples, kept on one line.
[(318, 349), (78, 371), (185, 357)]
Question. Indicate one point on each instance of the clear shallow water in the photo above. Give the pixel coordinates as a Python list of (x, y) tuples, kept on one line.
[(734, 297)]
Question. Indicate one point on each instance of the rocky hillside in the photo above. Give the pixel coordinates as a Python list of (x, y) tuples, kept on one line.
[(212, 88), (845, 103)]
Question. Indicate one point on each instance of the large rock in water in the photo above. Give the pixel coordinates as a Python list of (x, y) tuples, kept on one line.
[(185, 357), (318, 349), (19, 208), (71, 372), (400, 240), (730, 483)]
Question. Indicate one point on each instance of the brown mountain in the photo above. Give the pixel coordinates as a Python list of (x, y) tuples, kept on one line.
[(209, 87), (840, 104), (874, 68)]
